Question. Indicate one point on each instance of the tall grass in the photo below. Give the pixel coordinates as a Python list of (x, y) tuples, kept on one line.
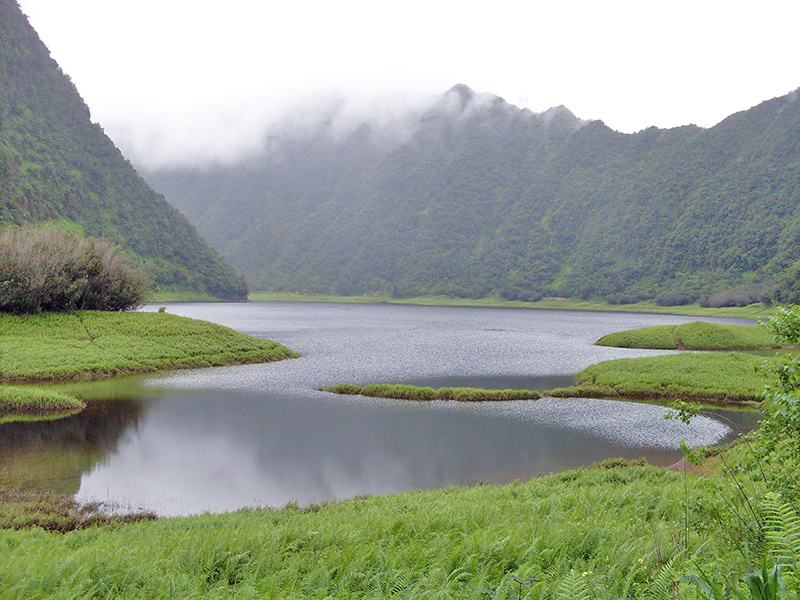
[(697, 335), (46, 268)]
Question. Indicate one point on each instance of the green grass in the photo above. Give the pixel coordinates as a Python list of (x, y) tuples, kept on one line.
[(18, 402), (714, 377), (59, 347), (697, 335), (412, 392), (613, 526), (94, 344), (754, 311)]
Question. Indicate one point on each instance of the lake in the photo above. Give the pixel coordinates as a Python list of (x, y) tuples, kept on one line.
[(220, 439)]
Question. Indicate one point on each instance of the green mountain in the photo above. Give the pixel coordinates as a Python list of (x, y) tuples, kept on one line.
[(56, 165), (484, 198)]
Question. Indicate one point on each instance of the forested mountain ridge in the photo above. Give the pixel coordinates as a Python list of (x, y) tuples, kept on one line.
[(485, 198), (56, 165)]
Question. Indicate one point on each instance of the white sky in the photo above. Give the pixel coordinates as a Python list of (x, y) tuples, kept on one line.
[(190, 78)]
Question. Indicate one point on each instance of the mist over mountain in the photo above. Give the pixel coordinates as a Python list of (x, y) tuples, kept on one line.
[(56, 165), (483, 198)]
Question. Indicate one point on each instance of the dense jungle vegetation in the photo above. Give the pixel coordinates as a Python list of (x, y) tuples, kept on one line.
[(483, 198), (56, 165)]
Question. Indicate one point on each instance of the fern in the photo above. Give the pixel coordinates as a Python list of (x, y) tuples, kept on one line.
[(783, 533), (573, 587), (662, 586)]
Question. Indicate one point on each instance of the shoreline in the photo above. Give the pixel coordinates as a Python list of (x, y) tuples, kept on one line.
[(753, 311)]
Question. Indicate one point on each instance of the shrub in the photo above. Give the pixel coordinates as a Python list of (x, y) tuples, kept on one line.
[(47, 269)]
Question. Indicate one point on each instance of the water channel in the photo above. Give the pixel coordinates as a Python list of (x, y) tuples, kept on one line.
[(220, 439)]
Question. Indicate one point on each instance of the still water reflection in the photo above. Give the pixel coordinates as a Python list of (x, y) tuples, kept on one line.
[(223, 438)]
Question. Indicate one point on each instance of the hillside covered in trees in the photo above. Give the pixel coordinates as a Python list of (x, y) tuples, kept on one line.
[(56, 165), (482, 198)]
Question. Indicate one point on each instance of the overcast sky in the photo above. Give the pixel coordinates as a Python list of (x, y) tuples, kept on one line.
[(189, 78)]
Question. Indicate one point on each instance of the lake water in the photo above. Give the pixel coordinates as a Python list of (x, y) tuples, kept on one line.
[(219, 439)]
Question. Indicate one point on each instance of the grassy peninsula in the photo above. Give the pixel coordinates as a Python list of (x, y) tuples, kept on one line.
[(714, 378), (697, 335), (51, 347)]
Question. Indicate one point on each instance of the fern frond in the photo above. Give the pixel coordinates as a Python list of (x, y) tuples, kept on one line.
[(783, 533), (662, 586), (573, 587)]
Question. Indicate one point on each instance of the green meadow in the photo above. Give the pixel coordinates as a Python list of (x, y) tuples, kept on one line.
[(52, 347)]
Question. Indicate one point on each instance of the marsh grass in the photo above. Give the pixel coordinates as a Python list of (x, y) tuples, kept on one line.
[(25, 509), (714, 377), (697, 335), (412, 392)]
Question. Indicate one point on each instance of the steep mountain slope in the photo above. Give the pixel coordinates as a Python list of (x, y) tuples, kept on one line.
[(485, 198), (55, 164)]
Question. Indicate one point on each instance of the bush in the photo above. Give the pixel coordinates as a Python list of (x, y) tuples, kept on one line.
[(47, 269)]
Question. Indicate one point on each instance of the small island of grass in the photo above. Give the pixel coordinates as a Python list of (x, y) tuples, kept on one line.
[(696, 335), (412, 392)]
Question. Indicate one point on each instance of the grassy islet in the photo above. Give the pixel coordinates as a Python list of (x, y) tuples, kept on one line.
[(412, 392), (696, 335)]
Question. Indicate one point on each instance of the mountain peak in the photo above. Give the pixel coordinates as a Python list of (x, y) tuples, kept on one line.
[(465, 92)]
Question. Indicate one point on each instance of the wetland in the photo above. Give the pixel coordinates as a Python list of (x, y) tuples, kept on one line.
[(222, 438)]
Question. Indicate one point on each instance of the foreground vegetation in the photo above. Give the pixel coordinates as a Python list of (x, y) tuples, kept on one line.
[(412, 392), (697, 335), (615, 527), (96, 344)]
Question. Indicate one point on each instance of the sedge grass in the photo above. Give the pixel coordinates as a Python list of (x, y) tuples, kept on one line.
[(412, 392), (697, 335)]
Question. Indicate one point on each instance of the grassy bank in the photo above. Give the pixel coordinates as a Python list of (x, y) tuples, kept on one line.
[(412, 392), (614, 529), (95, 344), (713, 377), (18, 402), (697, 335), (754, 311)]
